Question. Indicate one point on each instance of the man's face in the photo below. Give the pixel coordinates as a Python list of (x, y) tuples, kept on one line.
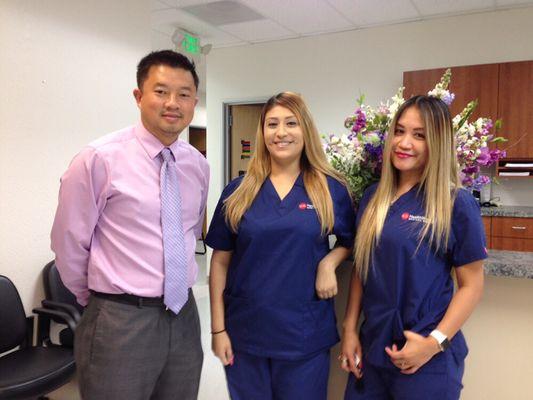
[(166, 99)]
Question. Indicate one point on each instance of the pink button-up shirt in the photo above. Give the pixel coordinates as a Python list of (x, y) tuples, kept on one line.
[(107, 230)]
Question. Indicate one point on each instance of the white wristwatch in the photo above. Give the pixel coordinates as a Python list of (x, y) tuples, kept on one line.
[(441, 339)]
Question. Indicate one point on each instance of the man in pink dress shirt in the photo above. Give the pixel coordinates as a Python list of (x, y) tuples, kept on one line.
[(108, 241)]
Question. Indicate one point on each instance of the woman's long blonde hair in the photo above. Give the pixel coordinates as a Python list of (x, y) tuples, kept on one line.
[(438, 181), (313, 164)]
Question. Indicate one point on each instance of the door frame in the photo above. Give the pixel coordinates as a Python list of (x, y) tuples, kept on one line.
[(226, 130)]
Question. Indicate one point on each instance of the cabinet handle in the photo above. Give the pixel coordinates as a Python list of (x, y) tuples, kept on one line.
[(519, 228)]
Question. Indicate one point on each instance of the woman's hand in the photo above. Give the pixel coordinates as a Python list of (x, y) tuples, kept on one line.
[(221, 345), (351, 354), (417, 351), (326, 280)]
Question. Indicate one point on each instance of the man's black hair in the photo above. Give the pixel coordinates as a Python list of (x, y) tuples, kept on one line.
[(165, 57)]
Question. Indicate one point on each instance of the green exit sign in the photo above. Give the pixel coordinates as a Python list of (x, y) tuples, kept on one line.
[(191, 44)]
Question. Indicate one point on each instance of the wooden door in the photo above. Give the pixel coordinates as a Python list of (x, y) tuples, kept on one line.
[(197, 139), (515, 108), (243, 127)]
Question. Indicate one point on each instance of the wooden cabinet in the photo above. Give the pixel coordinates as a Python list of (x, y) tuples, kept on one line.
[(468, 83), (487, 223), (504, 91), (512, 244), (508, 233), (515, 108)]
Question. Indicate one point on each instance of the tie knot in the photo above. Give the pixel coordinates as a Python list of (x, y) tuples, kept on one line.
[(167, 155)]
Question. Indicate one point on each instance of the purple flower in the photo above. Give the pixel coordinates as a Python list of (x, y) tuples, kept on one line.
[(359, 121), (495, 155), (467, 180), (484, 158), (473, 169), (480, 181), (448, 98)]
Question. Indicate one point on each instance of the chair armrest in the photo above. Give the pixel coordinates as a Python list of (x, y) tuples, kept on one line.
[(59, 306), (63, 316)]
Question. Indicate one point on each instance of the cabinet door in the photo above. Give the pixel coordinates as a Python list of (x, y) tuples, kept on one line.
[(487, 222), (468, 83), (515, 108)]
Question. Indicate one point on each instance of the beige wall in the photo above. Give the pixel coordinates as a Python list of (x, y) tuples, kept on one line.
[(67, 72), (331, 71)]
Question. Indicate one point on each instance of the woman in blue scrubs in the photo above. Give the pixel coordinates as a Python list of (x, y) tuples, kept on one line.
[(414, 227), (272, 277)]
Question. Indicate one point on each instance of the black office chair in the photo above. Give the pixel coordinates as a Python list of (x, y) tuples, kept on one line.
[(29, 371), (59, 298)]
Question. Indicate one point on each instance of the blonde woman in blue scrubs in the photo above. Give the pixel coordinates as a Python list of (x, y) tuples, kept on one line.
[(272, 278), (414, 227)]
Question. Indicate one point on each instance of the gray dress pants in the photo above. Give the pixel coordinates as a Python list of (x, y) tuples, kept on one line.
[(126, 352)]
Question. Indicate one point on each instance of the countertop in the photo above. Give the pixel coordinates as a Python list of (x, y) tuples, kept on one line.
[(508, 211), (517, 264)]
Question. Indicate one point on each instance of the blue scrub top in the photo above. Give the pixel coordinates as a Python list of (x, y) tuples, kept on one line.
[(271, 307), (411, 290)]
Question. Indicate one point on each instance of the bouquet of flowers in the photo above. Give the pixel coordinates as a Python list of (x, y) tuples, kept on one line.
[(357, 155)]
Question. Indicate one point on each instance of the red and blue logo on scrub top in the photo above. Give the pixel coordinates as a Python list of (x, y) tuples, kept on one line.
[(418, 218), (305, 206)]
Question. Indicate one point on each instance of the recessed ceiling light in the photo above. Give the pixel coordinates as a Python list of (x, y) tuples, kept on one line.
[(223, 12)]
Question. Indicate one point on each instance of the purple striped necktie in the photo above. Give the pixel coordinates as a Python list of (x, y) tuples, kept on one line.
[(176, 290)]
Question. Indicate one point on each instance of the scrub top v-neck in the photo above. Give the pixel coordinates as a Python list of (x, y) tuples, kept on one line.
[(271, 305), (410, 289)]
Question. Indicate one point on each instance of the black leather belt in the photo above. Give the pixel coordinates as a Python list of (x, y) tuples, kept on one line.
[(131, 299)]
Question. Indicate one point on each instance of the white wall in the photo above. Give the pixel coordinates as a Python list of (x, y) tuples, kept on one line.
[(331, 71), (67, 75)]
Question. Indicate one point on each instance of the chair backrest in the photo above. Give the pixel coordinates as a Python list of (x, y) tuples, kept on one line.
[(12, 316), (54, 289)]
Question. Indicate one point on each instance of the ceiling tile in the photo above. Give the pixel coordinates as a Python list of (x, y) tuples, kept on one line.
[(374, 12), (435, 7), (301, 16), (257, 30)]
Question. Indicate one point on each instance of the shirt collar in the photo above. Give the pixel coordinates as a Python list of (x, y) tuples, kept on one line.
[(151, 144)]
